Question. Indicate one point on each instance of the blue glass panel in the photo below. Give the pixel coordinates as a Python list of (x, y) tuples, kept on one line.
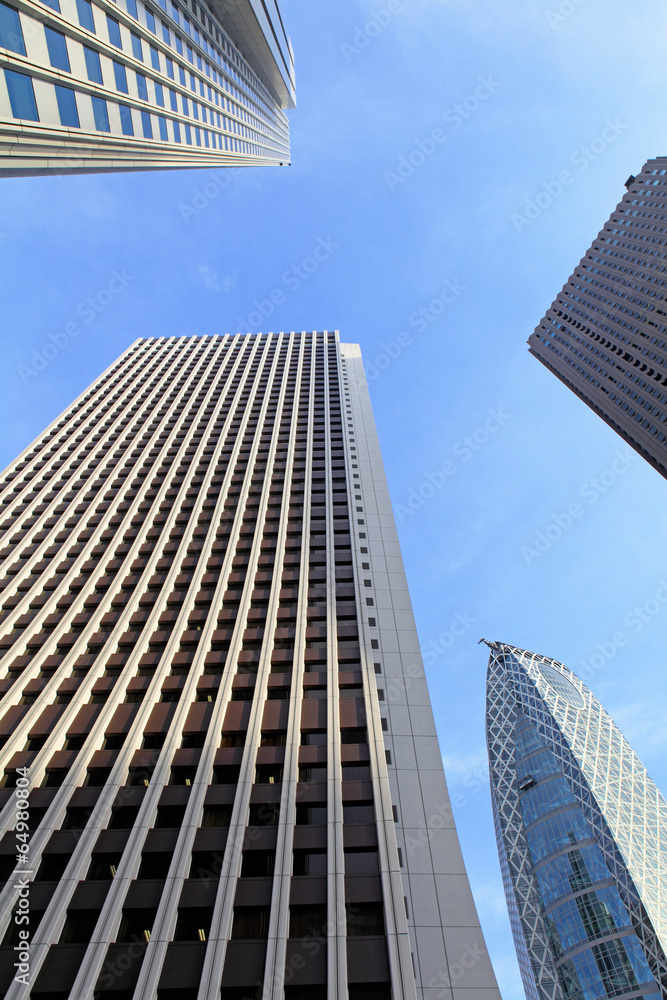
[(146, 125), (137, 50), (159, 95), (57, 46), (173, 100), (188, 135), (53, 4), (177, 132), (544, 797), (126, 119), (142, 88), (155, 58), (150, 20), (170, 69), (114, 32), (586, 918), (93, 65), (85, 12), (558, 831), (165, 33), (100, 114), (132, 9), (120, 75), (162, 122), (11, 35), (571, 872), (21, 96), (67, 107)]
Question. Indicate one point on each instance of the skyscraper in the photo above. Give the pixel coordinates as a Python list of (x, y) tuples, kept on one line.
[(212, 678), (582, 836), (605, 336), (92, 86)]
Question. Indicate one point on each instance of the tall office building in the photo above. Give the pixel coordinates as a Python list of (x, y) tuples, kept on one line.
[(212, 676), (141, 85), (582, 836), (605, 336)]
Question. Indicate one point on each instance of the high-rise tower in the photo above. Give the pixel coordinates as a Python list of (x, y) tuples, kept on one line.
[(135, 85), (605, 336), (582, 836), (212, 677)]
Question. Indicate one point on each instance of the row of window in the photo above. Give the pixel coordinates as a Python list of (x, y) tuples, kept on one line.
[(24, 107), (11, 37)]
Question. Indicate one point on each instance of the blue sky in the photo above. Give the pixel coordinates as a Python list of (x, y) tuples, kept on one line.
[(519, 91)]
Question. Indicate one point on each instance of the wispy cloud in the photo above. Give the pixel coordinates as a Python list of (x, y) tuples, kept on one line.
[(211, 280)]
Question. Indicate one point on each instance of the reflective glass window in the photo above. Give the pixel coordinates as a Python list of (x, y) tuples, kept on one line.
[(67, 109), (57, 46), (21, 96), (93, 65), (11, 35)]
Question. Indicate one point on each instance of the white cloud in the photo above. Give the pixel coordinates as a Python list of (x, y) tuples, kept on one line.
[(212, 280)]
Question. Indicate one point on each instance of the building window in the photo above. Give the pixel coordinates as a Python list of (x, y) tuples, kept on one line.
[(11, 35), (67, 107), (155, 58), (141, 87), (159, 95), (126, 119), (57, 46), (101, 115), (146, 125), (93, 65), (85, 12), (137, 50), (114, 32), (162, 122), (21, 96), (120, 76), (150, 20)]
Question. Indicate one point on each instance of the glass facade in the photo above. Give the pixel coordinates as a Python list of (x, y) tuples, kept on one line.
[(238, 107), (587, 911)]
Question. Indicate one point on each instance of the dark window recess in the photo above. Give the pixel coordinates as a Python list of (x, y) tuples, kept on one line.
[(356, 772), (169, 817), (258, 864), (154, 865), (308, 922), (123, 818), (270, 774), (216, 816), (312, 863), (52, 867), (315, 737), (76, 818), (136, 925), (357, 735), (103, 867), (193, 741), (79, 927), (311, 815), (365, 919), (360, 812), (232, 740), (154, 741), (362, 861), (264, 814), (193, 924), (206, 865), (250, 923), (226, 774)]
